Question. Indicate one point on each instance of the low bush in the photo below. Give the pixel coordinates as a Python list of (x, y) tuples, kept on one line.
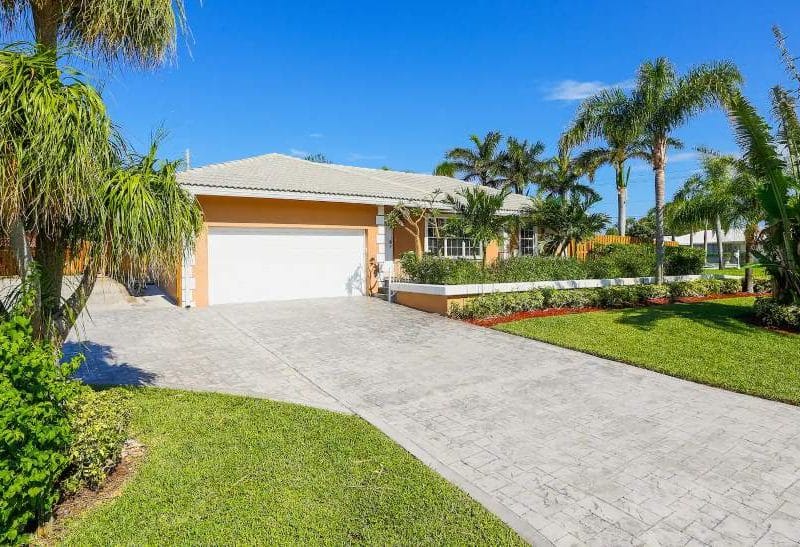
[(760, 285), (99, 423), (439, 270), (571, 298), (686, 289), (771, 313), (537, 268), (650, 292), (617, 260), (730, 286), (680, 260), (623, 296), (35, 432), (495, 304)]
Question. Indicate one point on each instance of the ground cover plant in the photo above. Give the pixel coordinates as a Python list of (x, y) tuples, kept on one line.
[(713, 342), (234, 470), (621, 296)]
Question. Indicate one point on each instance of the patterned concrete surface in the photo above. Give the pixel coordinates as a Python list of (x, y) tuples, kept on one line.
[(566, 447)]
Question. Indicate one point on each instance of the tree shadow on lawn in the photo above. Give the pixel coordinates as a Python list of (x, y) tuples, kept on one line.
[(732, 319), (101, 368)]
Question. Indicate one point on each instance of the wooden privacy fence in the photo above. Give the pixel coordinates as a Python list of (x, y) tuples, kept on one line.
[(8, 262), (580, 250)]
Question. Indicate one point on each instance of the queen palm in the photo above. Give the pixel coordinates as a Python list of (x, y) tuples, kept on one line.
[(481, 164), (520, 164), (607, 116), (662, 101)]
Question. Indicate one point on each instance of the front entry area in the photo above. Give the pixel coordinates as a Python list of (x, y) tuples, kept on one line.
[(264, 264)]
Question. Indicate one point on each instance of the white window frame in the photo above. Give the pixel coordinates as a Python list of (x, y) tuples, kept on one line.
[(477, 256), (534, 239)]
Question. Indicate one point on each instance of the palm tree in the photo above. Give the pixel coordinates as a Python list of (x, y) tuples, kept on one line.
[(481, 164), (477, 216), (561, 175), (662, 101), (143, 32), (68, 184), (607, 116), (520, 164), (566, 218)]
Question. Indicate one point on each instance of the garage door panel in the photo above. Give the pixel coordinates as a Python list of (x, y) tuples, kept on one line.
[(258, 264)]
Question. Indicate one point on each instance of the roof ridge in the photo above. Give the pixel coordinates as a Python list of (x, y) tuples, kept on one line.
[(232, 162)]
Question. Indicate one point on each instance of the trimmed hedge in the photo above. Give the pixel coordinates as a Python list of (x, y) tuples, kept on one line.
[(619, 296), (603, 262), (771, 313)]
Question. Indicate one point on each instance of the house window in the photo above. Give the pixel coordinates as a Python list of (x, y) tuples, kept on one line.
[(452, 247), (527, 242)]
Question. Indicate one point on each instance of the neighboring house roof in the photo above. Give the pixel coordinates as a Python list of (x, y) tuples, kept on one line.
[(731, 236), (287, 177)]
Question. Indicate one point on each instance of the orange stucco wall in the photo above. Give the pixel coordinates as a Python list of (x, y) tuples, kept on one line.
[(432, 303), (281, 213)]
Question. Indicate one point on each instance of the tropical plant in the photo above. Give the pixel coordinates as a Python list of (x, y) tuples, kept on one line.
[(661, 102), (143, 32), (520, 164), (321, 158), (477, 216), (643, 227), (607, 116), (774, 160), (412, 218), (567, 219), (481, 164), (562, 174), (67, 186)]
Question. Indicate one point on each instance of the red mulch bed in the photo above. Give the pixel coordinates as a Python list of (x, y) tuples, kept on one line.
[(550, 312)]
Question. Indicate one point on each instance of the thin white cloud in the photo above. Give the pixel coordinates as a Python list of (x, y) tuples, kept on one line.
[(298, 153), (355, 156), (573, 90), (316, 135), (678, 157)]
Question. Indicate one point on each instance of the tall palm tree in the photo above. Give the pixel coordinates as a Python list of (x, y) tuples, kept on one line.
[(481, 164), (143, 32), (520, 164), (607, 116), (562, 174), (662, 101), (478, 216)]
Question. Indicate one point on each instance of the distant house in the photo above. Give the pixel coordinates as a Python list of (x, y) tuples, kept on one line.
[(732, 245)]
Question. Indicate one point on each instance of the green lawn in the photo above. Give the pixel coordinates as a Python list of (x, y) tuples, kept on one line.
[(709, 342), (758, 271), (235, 470)]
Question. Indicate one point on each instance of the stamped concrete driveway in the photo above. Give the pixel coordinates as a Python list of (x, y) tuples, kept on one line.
[(566, 447)]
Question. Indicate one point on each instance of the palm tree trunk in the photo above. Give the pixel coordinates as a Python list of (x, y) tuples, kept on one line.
[(51, 257), (705, 241), (46, 16), (659, 166), (749, 238), (691, 238), (622, 201), (720, 249)]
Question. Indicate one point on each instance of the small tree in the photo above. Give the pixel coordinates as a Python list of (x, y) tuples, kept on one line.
[(567, 220), (478, 217), (412, 218)]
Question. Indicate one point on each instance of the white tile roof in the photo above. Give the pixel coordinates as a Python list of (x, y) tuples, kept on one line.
[(277, 175)]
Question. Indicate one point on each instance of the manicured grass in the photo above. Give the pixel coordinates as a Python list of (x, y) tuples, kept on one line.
[(235, 470), (758, 271), (709, 342)]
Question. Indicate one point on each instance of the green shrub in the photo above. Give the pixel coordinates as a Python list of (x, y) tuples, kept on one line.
[(681, 260), (495, 304), (438, 270), (684, 289), (620, 260), (571, 298), (647, 292), (622, 296), (35, 433), (761, 285), (731, 286), (537, 268), (99, 422), (771, 313)]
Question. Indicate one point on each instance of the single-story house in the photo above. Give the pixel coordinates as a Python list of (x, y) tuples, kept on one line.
[(733, 246), (278, 227)]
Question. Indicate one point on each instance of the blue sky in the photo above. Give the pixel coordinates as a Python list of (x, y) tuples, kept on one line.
[(396, 84)]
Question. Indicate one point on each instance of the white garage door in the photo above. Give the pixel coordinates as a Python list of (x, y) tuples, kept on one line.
[(257, 264)]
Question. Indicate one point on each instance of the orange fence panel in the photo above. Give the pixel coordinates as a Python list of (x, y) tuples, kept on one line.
[(580, 250)]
